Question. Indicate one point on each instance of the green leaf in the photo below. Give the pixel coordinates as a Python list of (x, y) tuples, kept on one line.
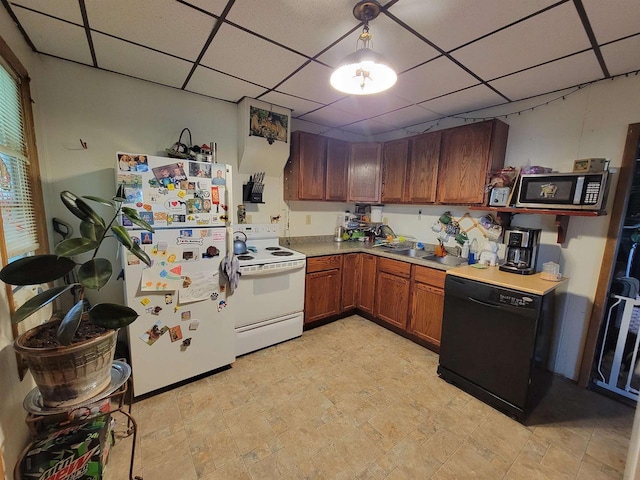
[(69, 324), (122, 235), (91, 231), (140, 253), (69, 200), (111, 315), (75, 246), (95, 273), (93, 217), (34, 304), (36, 269), (132, 214), (102, 201)]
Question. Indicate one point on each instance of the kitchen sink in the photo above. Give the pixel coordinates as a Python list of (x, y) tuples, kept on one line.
[(451, 260)]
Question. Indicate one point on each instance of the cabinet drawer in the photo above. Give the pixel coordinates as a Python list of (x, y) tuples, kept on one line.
[(430, 276), (395, 267), (328, 262)]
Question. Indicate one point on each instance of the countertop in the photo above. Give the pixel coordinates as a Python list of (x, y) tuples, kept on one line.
[(320, 248), (494, 276)]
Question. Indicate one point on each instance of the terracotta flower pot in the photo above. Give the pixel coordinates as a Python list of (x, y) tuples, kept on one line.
[(69, 375)]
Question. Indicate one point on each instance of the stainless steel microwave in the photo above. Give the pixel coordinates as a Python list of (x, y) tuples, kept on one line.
[(567, 191)]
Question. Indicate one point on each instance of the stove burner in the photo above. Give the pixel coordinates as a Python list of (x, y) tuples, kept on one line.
[(273, 248), (282, 254), (245, 257)]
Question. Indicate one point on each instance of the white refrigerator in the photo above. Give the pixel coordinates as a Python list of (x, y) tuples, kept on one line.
[(183, 329)]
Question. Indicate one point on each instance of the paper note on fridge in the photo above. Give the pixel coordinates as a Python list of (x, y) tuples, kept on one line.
[(197, 287), (161, 278)]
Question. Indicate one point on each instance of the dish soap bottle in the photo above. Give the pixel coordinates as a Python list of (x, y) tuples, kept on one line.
[(465, 249), (473, 252)]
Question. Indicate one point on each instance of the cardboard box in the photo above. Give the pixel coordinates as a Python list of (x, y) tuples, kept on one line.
[(589, 165), (78, 452)]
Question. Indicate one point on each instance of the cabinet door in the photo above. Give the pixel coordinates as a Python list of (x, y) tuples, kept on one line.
[(305, 170), (422, 171), (367, 279), (322, 295), (350, 281), (337, 176), (467, 155), (392, 299), (427, 305), (364, 172), (394, 170)]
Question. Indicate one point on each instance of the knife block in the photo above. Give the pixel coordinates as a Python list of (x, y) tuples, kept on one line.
[(248, 195)]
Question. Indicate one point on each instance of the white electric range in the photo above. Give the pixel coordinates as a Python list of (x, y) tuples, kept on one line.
[(268, 303)]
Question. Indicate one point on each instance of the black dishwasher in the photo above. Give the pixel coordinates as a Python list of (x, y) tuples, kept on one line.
[(495, 344)]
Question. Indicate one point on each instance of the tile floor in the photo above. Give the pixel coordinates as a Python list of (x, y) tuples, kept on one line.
[(351, 400)]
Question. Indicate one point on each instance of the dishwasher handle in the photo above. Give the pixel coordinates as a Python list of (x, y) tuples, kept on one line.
[(485, 303)]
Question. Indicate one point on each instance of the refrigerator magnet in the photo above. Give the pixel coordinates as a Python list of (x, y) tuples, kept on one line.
[(175, 333), (154, 333), (194, 325), (214, 296), (186, 315), (185, 343), (221, 305), (145, 301)]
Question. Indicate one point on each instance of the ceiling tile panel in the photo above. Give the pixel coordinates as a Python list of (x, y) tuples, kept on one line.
[(545, 37), (368, 128), (249, 57), (64, 9), (331, 117), (623, 56), (401, 48), (54, 37), (370, 106), (613, 20), (164, 25), (308, 26), (451, 24), (432, 80), (472, 98), (550, 77), (139, 62), (298, 106), (217, 85), (212, 6), (312, 83), (408, 116)]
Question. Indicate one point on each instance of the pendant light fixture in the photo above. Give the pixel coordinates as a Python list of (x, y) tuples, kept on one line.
[(364, 72)]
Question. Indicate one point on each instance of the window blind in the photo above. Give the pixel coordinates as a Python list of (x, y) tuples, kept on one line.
[(16, 201)]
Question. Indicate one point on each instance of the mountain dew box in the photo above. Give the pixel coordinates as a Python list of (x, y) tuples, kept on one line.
[(78, 452)]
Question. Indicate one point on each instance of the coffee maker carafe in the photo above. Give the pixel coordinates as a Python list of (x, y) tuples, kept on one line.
[(522, 250)]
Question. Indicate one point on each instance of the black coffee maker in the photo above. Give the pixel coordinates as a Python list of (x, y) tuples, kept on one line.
[(522, 250)]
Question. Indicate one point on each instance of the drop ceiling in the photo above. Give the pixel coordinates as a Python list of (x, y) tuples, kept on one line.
[(453, 56)]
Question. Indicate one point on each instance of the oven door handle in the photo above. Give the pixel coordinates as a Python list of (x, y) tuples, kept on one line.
[(268, 269)]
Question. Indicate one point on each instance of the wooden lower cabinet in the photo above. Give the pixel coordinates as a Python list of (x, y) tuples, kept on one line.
[(392, 292), (427, 304), (350, 282), (367, 267), (322, 287)]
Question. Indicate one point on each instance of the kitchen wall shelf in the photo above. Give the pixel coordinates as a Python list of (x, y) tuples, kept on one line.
[(562, 216)]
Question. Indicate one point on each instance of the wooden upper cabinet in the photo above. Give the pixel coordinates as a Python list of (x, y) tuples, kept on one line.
[(394, 170), (422, 171), (364, 172), (305, 171), (467, 155), (337, 175)]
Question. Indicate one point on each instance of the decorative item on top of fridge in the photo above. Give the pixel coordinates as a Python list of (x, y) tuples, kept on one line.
[(204, 153)]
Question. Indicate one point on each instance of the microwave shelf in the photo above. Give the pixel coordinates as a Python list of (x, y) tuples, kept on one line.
[(562, 216)]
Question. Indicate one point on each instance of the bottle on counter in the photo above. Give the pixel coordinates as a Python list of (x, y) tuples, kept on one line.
[(464, 253), (473, 251)]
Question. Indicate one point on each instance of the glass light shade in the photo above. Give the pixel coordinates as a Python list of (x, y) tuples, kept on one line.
[(363, 72)]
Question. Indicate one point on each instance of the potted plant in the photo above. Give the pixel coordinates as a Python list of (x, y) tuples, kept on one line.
[(70, 356)]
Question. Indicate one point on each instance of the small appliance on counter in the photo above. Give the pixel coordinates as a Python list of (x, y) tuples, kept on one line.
[(522, 250)]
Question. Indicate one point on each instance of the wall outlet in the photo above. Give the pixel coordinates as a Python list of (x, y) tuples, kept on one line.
[(249, 218), (308, 220)]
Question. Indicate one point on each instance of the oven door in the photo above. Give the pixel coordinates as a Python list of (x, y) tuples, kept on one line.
[(263, 295)]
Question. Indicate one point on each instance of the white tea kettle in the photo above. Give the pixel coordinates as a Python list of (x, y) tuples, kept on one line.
[(239, 245)]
